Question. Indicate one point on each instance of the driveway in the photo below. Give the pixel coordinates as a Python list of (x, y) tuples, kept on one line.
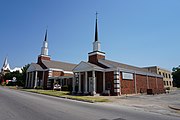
[(162, 103)]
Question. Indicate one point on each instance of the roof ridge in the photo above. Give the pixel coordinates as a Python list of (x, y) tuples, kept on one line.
[(59, 62)]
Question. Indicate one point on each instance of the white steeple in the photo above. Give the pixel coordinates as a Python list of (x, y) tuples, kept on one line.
[(96, 43), (44, 48), (6, 65)]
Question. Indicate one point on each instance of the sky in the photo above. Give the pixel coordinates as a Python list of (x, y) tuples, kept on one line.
[(136, 32)]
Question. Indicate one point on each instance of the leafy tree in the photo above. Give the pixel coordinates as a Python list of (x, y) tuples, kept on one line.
[(9, 76), (20, 77), (176, 76), (24, 69)]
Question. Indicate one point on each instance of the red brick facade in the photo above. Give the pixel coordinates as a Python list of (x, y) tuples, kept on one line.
[(127, 86), (94, 58), (143, 83)]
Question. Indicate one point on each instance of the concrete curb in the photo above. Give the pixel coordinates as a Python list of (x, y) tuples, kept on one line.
[(175, 107)]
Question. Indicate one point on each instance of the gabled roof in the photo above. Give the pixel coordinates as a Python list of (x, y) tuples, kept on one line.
[(86, 66), (34, 67), (59, 65), (113, 64)]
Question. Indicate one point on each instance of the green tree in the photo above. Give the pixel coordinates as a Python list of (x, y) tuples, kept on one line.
[(24, 69), (20, 77), (9, 76), (176, 76)]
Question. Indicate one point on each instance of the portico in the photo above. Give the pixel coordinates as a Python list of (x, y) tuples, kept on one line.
[(34, 76), (86, 79)]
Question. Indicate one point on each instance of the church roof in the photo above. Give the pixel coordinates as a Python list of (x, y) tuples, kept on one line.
[(113, 64), (59, 65), (34, 67), (126, 68), (87, 66)]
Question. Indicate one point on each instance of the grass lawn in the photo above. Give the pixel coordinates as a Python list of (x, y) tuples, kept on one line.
[(65, 94)]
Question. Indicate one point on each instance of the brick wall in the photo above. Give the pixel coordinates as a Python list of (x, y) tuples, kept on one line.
[(45, 79), (99, 82), (57, 73), (109, 78), (141, 83), (127, 86), (160, 85), (94, 58)]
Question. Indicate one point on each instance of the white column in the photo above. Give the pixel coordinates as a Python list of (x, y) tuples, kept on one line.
[(117, 82), (79, 91), (135, 86), (104, 83), (94, 82), (73, 83), (35, 85), (85, 84)]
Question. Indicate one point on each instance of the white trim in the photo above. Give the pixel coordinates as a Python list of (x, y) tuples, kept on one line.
[(68, 72), (116, 90), (116, 77), (60, 77), (61, 70), (116, 86), (96, 52), (116, 72), (117, 81), (54, 69)]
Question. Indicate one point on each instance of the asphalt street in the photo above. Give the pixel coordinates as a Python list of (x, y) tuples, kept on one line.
[(20, 105)]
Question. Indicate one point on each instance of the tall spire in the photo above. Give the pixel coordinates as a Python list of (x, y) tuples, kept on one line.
[(44, 48), (96, 29), (6, 64), (96, 54), (45, 39), (96, 43)]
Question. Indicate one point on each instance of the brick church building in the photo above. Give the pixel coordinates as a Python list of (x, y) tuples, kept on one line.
[(101, 76), (46, 72)]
